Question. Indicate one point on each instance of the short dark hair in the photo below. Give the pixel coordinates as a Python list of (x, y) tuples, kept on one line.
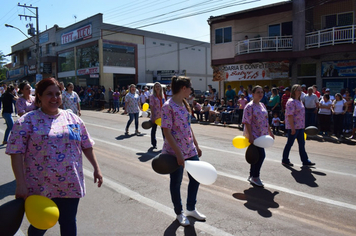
[(43, 85)]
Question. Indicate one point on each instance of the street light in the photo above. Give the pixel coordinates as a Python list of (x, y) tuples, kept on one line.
[(38, 62)]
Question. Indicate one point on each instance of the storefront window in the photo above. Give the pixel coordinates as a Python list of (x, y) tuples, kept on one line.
[(66, 61), (119, 55), (88, 57)]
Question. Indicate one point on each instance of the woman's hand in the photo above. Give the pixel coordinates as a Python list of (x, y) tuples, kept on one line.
[(180, 159), (21, 191), (292, 131), (199, 152), (98, 177)]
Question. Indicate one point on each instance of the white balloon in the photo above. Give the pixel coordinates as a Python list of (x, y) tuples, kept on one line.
[(140, 114), (264, 141), (144, 114), (202, 171)]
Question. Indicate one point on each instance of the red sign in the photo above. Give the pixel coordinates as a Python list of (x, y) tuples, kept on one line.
[(88, 71), (82, 33)]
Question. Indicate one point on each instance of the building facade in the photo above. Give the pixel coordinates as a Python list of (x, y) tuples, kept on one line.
[(91, 52), (306, 42)]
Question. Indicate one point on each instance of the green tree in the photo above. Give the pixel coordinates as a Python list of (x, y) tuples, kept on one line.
[(3, 69)]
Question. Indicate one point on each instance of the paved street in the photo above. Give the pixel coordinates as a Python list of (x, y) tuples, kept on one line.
[(134, 200)]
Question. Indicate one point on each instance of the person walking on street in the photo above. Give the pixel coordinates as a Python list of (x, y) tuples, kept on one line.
[(46, 147), (71, 99), (295, 124), (116, 99), (26, 102), (156, 102), (133, 107), (255, 119), (180, 142), (7, 109)]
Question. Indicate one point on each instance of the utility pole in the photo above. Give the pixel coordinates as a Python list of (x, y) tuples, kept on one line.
[(38, 59)]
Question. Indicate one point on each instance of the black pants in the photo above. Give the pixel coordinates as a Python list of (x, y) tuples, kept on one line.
[(338, 124)]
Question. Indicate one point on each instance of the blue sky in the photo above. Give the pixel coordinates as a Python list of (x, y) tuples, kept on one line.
[(130, 13)]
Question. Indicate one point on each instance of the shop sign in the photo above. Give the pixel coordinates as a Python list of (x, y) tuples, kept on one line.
[(338, 68), (94, 76), (17, 73), (32, 69), (82, 33), (88, 71), (252, 71), (168, 74)]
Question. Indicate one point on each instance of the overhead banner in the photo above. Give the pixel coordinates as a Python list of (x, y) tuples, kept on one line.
[(252, 71), (338, 68), (88, 71)]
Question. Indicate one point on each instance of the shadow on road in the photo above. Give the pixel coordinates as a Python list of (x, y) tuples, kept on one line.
[(7, 189), (188, 230), (146, 156), (258, 199), (305, 175)]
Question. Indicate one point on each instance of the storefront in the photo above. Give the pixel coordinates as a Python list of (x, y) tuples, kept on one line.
[(259, 73), (165, 76), (337, 75)]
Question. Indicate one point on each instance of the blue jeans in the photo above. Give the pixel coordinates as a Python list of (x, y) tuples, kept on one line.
[(354, 121), (348, 120), (117, 105), (153, 134), (132, 116), (299, 135), (255, 168), (9, 123), (193, 186), (67, 218)]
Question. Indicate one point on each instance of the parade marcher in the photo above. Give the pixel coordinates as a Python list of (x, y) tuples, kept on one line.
[(46, 147), (116, 97), (133, 107), (156, 102), (71, 99), (255, 119), (180, 142), (26, 102), (7, 109), (295, 124)]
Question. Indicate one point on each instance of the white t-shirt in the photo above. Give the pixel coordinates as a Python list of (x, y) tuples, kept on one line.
[(310, 101), (325, 111), (338, 106)]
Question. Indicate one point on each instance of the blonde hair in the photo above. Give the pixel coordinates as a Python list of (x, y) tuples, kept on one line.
[(160, 91), (293, 89)]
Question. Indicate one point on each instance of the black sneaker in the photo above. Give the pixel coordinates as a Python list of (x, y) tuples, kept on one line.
[(309, 164), (287, 163)]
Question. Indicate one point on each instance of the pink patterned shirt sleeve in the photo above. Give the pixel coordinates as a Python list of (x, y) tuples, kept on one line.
[(177, 119), (256, 115), (155, 107), (52, 148), (24, 106), (296, 109)]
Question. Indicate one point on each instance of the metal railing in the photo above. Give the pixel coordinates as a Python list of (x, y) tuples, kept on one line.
[(331, 36), (265, 44)]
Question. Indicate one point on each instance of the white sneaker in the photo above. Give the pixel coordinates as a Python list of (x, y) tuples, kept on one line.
[(183, 220), (195, 214)]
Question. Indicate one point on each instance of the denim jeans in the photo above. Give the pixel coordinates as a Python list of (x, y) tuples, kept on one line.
[(299, 135), (132, 116), (9, 123), (348, 120), (153, 134), (117, 105), (255, 168), (175, 183), (67, 218)]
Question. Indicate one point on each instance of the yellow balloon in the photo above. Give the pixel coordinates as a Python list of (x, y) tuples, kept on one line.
[(305, 136), (41, 212), (145, 106), (158, 122), (240, 142)]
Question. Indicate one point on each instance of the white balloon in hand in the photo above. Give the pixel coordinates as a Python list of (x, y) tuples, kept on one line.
[(264, 141), (202, 171)]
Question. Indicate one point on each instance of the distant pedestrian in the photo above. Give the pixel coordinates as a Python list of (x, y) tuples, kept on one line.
[(295, 124), (71, 99), (7, 109), (156, 102), (26, 101), (133, 107)]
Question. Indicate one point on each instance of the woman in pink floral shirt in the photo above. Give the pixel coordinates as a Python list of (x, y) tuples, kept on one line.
[(46, 147), (180, 142), (26, 102), (255, 119), (156, 103), (295, 124)]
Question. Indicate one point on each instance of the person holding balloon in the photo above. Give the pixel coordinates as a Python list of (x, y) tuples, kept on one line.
[(46, 147), (255, 119), (133, 107), (156, 103), (180, 142), (295, 124)]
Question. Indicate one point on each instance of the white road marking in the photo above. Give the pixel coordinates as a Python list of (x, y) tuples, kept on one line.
[(156, 205)]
